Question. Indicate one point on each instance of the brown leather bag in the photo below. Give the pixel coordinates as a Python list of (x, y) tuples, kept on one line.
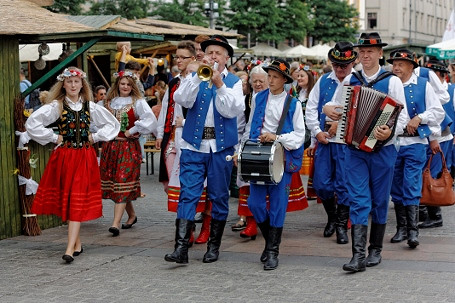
[(437, 192)]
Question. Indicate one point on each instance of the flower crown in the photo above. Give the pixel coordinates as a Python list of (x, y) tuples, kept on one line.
[(125, 73), (71, 73)]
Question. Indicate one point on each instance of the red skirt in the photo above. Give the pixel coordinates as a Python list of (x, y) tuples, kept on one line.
[(70, 186), (120, 168), (297, 198)]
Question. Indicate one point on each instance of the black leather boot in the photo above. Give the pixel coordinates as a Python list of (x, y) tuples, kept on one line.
[(182, 238), (264, 227), (213, 245), (273, 248), (412, 229), (434, 218), (330, 207), (401, 234), (342, 224), (359, 242), (423, 213), (376, 238)]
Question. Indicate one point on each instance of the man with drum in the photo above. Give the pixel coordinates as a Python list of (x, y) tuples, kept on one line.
[(267, 109), (369, 174), (425, 114), (329, 175), (209, 135)]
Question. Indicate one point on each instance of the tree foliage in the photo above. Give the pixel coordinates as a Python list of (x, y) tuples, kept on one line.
[(71, 7), (129, 9), (294, 21), (333, 20), (187, 12)]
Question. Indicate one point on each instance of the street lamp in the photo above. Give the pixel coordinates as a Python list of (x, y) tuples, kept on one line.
[(210, 10)]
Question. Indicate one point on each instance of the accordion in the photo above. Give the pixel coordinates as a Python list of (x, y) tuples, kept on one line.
[(364, 109)]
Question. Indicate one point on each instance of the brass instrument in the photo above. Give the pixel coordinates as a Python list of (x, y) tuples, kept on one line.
[(204, 72)]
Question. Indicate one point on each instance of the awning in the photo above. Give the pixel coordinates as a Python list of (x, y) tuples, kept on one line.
[(442, 50)]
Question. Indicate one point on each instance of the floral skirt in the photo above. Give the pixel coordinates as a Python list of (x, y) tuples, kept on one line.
[(70, 186), (120, 168)]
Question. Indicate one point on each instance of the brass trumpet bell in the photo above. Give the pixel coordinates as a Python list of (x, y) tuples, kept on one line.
[(205, 72)]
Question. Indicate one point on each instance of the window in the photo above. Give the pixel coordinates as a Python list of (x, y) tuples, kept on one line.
[(372, 20)]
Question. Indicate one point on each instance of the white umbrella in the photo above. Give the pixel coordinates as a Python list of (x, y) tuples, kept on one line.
[(297, 52), (319, 51), (262, 49), (29, 52), (442, 50)]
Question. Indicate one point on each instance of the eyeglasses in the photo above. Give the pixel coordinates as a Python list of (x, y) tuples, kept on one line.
[(181, 57), (340, 66)]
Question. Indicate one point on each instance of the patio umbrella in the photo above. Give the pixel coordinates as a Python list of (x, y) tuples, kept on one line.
[(297, 52), (319, 51), (442, 50), (262, 49)]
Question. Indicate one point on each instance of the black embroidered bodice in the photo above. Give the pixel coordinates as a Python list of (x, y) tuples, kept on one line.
[(74, 126)]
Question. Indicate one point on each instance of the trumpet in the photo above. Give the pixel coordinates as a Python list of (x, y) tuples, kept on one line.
[(204, 72)]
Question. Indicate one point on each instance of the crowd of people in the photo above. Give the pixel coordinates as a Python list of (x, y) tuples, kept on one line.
[(209, 112)]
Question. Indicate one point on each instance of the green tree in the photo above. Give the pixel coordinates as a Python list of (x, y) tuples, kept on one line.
[(333, 20), (259, 18), (186, 12), (71, 7), (129, 9), (294, 23)]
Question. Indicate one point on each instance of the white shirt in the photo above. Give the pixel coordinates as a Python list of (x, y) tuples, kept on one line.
[(162, 117), (229, 103), (104, 125), (273, 111), (432, 116), (146, 122)]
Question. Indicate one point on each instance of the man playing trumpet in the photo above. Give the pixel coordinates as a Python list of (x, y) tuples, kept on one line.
[(209, 135)]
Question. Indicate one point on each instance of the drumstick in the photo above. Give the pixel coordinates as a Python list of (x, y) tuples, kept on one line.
[(229, 157)]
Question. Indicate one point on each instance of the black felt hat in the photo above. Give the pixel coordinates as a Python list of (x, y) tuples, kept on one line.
[(281, 66), (370, 39), (437, 65), (218, 40), (342, 53), (403, 54)]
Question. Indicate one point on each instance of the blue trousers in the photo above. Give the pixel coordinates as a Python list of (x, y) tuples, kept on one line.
[(436, 162), (407, 177), (329, 175), (369, 180), (278, 197), (194, 168)]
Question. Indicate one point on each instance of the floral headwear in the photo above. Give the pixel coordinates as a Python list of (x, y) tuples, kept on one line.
[(125, 73), (71, 73)]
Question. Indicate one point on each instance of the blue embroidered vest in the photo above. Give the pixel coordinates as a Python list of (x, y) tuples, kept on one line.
[(448, 107), (225, 128), (415, 103), (327, 89), (293, 157)]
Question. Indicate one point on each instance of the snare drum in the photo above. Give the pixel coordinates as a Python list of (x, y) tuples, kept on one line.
[(261, 163)]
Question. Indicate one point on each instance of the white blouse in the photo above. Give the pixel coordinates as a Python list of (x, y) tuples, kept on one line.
[(102, 121)]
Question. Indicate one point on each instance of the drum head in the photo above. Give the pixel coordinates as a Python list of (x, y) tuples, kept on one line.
[(277, 162)]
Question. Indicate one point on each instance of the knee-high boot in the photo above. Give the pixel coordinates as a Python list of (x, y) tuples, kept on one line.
[(376, 238), (205, 230), (401, 234), (273, 248), (412, 229), (264, 227), (330, 207), (342, 224), (213, 245), (434, 218), (359, 242), (182, 237)]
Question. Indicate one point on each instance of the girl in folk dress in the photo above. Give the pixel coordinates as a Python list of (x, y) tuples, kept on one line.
[(70, 186), (121, 158)]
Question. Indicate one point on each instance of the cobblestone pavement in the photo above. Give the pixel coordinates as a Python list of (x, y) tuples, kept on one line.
[(131, 267)]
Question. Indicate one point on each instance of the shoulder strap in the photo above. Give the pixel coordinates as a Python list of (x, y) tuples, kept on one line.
[(380, 77), (359, 77), (283, 115)]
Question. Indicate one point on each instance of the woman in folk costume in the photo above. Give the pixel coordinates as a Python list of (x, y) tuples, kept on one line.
[(121, 158), (169, 134), (70, 186), (266, 112)]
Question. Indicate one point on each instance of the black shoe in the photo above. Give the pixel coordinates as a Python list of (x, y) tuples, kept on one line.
[(128, 226), (239, 227), (77, 253), (429, 223), (68, 258), (114, 230)]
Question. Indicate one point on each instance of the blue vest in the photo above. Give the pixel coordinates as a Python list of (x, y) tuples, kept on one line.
[(425, 73), (448, 107), (382, 86), (415, 103), (327, 89), (225, 128), (293, 157)]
